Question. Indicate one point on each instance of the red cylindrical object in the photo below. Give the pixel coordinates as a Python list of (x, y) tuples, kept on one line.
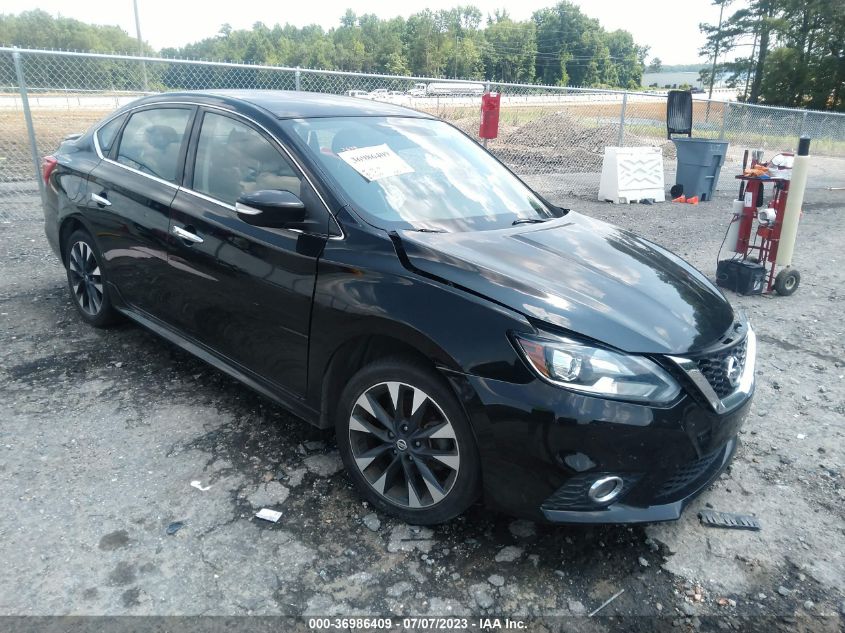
[(489, 127)]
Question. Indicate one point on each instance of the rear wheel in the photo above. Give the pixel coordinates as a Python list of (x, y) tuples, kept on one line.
[(86, 280), (406, 442)]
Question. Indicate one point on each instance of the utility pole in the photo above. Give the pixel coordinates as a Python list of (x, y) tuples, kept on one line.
[(750, 68), (456, 53), (140, 46), (716, 50)]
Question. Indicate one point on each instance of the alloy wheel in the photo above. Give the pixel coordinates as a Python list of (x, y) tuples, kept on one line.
[(404, 445), (85, 278)]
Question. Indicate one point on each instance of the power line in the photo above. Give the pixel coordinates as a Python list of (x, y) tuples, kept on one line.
[(518, 49)]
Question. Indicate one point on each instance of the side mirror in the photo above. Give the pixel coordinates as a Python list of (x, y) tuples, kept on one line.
[(274, 209)]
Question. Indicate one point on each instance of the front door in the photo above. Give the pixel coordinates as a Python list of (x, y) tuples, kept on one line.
[(241, 290)]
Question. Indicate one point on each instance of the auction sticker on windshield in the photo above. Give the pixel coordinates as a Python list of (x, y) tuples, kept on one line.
[(376, 162)]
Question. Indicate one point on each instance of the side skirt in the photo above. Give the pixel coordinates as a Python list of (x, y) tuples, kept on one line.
[(294, 405)]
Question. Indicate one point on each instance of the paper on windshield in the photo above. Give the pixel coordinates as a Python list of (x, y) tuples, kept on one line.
[(375, 162)]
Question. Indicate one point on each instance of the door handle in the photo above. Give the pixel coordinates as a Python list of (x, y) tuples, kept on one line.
[(101, 200), (181, 233)]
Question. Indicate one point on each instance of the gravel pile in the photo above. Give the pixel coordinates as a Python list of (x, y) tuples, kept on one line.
[(558, 142)]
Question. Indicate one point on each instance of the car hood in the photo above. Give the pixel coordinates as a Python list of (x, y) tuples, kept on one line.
[(586, 276)]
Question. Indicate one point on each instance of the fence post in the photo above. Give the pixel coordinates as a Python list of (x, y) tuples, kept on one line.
[(621, 140), (803, 124), (486, 91), (296, 77), (30, 129), (144, 79), (725, 107)]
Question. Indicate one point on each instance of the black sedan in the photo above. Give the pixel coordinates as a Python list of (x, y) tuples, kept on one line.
[(373, 269)]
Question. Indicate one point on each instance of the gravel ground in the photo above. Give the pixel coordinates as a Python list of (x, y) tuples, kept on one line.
[(130, 473)]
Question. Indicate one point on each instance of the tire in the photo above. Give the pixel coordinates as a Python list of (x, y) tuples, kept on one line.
[(787, 281), (86, 280), (383, 450)]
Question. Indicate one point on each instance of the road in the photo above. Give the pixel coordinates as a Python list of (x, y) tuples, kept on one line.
[(104, 433)]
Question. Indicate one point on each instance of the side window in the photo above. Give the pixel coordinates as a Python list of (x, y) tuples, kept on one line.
[(233, 159), (152, 139), (107, 134)]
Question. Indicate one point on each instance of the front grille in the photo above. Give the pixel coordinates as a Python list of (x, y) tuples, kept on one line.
[(715, 368), (573, 495), (687, 475)]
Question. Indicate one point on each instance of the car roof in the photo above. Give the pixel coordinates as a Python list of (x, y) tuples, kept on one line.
[(289, 104)]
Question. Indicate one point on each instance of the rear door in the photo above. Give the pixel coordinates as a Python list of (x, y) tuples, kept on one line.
[(130, 192), (243, 291)]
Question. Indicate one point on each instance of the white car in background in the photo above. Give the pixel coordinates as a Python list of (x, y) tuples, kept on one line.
[(419, 90)]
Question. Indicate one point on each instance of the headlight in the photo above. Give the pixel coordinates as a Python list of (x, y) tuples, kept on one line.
[(598, 371)]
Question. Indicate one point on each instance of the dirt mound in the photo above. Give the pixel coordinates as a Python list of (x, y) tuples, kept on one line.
[(558, 142)]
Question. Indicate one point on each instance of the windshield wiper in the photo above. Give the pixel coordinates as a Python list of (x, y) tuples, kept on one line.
[(529, 221), (430, 230)]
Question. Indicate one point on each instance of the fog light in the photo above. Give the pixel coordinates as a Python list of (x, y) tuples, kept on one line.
[(605, 489)]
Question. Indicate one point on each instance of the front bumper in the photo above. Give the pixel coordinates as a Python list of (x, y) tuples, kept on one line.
[(536, 439), (622, 512)]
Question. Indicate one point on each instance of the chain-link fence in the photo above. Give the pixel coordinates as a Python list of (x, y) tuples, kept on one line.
[(553, 136)]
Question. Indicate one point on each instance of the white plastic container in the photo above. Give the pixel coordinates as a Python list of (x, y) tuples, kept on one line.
[(732, 236), (631, 174)]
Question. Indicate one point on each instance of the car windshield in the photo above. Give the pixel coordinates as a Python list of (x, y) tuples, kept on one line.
[(413, 173)]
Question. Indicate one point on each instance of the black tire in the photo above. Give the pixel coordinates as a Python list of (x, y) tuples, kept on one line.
[(787, 281), (438, 491), (87, 281)]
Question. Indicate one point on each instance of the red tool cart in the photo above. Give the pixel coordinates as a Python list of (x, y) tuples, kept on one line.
[(761, 246)]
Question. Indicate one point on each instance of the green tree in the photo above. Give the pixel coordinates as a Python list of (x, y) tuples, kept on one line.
[(510, 50), (395, 65), (811, 72), (627, 58), (559, 45), (349, 50), (461, 41), (424, 44), (797, 53), (594, 66), (574, 49), (38, 29), (389, 47), (559, 29)]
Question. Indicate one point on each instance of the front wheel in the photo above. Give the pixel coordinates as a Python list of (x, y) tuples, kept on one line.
[(407, 444)]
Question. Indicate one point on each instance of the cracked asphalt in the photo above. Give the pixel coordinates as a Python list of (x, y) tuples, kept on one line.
[(130, 474)]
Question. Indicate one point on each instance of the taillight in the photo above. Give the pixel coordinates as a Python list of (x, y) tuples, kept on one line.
[(48, 164)]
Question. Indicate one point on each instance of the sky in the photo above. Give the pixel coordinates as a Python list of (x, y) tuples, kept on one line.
[(668, 27)]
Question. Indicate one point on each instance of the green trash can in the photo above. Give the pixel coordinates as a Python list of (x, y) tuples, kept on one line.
[(699, 162)]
